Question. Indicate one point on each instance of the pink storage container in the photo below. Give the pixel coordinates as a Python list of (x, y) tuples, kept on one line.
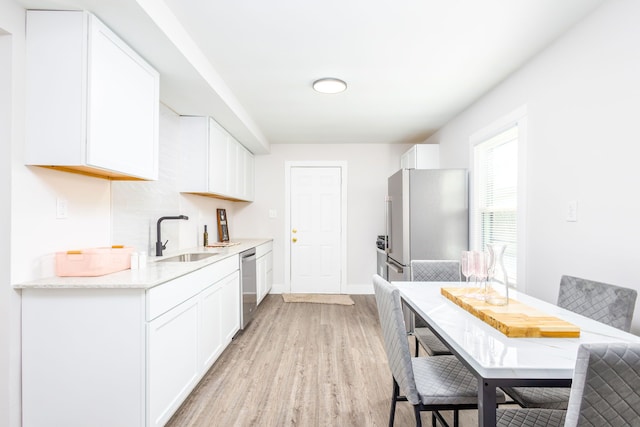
[(93, 261)]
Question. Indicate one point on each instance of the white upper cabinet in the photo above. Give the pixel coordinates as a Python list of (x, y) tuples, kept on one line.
[(92, 102), (214, 163), (250, 174), (421, 156)]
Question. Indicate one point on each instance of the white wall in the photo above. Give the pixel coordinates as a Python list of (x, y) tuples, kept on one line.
[(137, 205), (369, 166), (9, 300), (35, 232), (582, 96)]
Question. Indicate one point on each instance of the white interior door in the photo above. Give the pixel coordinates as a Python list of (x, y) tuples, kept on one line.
[(315, 229)]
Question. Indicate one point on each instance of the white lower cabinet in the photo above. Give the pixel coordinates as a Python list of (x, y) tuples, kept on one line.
[(264, 269), (219, 318), (83, 355), (184, 342), (172, 364), (230, 309), (210, 338), (124, 357)]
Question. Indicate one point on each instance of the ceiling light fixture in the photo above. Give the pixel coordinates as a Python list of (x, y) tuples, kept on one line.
[(329, 85)]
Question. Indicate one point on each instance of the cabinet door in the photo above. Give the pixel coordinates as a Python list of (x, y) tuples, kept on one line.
[(123, 109), (245, 174), (261, 273), (241, 171), (269, 267), (218, 166), (408, 159), (230, 311), (55, 111), (172, 360), (249, 177), (210, 328), (232, 168)]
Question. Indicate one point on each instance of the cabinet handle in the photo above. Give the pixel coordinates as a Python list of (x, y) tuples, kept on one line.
[(295, 230), (294, 240)]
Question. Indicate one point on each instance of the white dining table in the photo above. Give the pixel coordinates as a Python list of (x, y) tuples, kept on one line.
[(495, 359)]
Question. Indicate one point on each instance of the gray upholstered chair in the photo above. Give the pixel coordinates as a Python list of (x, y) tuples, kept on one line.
[(428, 383), (605, 392), (432, 271), (435, 270), (609, 304)]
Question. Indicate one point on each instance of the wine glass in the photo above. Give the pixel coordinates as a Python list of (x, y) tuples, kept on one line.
[(467, 265), (480, 271)]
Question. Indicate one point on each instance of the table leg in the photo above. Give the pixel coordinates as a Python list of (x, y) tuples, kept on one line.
[(486, 403)]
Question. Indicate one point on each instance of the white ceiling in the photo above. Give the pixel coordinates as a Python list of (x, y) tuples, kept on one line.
[(410, 65)]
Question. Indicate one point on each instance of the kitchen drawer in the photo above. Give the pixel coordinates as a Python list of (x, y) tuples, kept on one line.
[(164, 297), (263, 249)]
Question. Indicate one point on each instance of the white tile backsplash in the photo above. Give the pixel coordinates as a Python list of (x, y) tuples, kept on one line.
[(137, 205)]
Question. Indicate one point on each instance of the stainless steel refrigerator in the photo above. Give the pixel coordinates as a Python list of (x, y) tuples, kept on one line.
[(427, 214)]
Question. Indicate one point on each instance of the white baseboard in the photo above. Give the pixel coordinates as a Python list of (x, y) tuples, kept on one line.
[(360, 289), (278, 288)]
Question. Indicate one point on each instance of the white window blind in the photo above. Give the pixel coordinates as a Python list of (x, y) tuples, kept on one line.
[(496, 195)]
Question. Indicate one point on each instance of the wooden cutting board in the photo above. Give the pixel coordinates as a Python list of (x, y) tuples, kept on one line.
[(515, 320)]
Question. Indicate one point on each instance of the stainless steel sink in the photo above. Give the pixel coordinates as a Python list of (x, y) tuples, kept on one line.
[(198, 256)]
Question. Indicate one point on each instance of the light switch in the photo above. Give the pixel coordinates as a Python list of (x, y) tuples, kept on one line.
[(62, 208), (572, 211), (273, 213)]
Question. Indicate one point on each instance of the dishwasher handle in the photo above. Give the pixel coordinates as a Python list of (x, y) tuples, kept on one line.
[(248, 257)]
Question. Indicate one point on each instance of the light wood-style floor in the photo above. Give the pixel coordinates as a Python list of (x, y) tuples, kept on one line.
[(302, 364)]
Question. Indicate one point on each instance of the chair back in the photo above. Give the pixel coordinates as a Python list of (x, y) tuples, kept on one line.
[(395, 337), (609, 304), (435, 271), (606, 386)]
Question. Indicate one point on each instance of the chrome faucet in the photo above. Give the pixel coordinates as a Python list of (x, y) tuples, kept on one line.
[(162, 246)]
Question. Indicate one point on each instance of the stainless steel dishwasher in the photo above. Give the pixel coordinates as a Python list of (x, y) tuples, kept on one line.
[(248, 285)]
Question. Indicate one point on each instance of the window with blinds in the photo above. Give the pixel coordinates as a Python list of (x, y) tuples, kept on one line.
[(496, 195)]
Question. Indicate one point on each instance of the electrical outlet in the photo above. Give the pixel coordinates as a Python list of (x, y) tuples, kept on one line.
[(273, 213), (62, 208)]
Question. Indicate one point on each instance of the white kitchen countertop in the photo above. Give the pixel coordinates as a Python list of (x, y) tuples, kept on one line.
[(154, 274)]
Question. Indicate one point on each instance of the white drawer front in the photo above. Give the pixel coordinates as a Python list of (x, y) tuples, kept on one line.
[(264, 249), (164, 297)]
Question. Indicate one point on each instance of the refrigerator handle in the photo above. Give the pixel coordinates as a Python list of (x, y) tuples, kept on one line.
[(387, 217), (395, 267)]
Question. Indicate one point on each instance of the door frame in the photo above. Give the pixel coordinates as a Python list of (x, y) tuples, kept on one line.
[(342, 165)]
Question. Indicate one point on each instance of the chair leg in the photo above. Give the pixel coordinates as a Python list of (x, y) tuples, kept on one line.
[(437, 415), (456, 413), (433, 419), (417, 347), (394, 399), (416, 410)]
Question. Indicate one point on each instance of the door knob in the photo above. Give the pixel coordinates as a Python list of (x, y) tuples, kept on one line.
[(294, 240)]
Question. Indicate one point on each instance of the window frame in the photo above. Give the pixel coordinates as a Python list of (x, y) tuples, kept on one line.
[(517, 118)]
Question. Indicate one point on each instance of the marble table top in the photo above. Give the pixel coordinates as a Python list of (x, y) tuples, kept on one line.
[(494, 355)]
